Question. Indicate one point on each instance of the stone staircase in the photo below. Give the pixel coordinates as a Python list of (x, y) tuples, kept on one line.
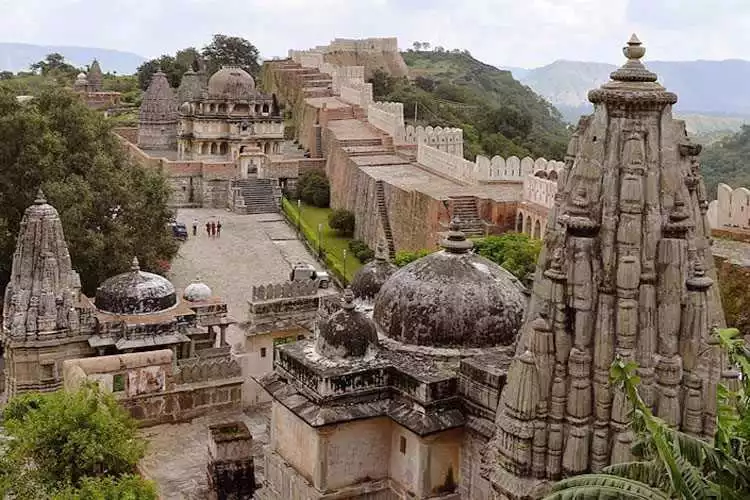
[(258, 195), (465, 209), (383, 212)]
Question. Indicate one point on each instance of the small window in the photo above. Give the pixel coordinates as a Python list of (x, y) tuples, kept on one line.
[(300, 337), (48, 371), (262, 352), (118, 382), (402, 445)]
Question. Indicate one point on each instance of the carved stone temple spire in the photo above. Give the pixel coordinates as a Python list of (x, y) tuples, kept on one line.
[(157, 120), (626, 271), (40, 294)]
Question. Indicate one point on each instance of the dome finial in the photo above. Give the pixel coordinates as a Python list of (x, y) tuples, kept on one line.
[(40, 199), (456, 241), (347, 300), (633, 70), (135, 266)]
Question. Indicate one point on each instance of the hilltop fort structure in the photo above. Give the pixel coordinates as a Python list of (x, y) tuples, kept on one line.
[(458, 387)]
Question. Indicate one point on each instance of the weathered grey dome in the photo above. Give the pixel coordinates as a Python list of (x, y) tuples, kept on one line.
[(370, 278), (197, 291), (135, 292), (231, 82), (347, 332), (451, 298)]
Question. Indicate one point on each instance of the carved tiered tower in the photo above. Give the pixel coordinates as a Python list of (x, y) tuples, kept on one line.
[(157, 121), (95, 77), (40, 300), (626, 271)]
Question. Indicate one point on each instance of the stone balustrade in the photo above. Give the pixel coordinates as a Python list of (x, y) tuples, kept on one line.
[(731, 209), (484, 170), (359, 94), (539, 190), (289, 289), (204, 369), (450, 140), (388, 117)]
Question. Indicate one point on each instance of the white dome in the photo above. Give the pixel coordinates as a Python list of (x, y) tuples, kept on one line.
[(197, 291)]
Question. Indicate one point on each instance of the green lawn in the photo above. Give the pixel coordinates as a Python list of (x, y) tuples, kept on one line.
[(332, 244)]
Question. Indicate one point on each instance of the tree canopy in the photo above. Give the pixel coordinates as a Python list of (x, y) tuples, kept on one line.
[(69, 445), (111, 208), (726, 161), (223, 50)]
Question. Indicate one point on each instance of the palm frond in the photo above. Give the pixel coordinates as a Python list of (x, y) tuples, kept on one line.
[(603, 487), (650, 473)]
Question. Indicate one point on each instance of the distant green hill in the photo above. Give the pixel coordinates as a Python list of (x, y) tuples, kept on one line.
[(19, 56), (499, 115)]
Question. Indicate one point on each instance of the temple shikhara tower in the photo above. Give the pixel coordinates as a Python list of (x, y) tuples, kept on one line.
[(626, 271)]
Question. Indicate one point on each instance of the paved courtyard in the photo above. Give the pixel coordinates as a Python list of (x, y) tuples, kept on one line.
[(252, 250), (177, 456)]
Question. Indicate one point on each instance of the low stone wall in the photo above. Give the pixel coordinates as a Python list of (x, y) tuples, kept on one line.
[(148, 386), (448, 140), (539, 191), (388, 117)]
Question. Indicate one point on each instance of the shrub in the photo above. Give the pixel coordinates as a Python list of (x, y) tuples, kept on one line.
[(404, 258), (361, 251), (341, 221), (516, 252), (314, 189)]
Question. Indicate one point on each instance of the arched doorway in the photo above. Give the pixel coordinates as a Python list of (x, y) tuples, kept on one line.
[(519, 222), (527, 226), (537, 230)]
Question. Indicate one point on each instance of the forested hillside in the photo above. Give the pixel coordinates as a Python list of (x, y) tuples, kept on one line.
[(727, 161), (497, 113)]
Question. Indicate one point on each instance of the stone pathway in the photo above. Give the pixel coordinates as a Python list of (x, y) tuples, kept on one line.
[(177, 456), (252, 250)]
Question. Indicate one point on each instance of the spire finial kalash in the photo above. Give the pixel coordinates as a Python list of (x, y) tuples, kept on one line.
[(347, 299), (134, 265), (633, 70), (455, 241), (40, 198)]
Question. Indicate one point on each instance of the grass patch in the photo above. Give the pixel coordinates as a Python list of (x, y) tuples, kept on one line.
[(332, 244)]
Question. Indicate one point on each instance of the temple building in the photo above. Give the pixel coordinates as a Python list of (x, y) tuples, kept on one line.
[(47, 319), (626, 272), (157, 120), (226, 117), (374, 406), (89, 87)]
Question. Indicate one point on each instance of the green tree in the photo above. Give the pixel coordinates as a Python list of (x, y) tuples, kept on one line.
[(63, 441), (342, 221), (726, 161), (125, 487), (167, 64), (314, 189), (54, 64), (111, 208), (225, 50), (516, 252), (382, 84)]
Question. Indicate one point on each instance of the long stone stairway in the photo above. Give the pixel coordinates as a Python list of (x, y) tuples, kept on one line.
[(258, 195), (383, 212), (465, 209)]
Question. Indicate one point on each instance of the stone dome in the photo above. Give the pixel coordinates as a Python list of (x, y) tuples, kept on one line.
[(135, 292), (231, 82), (347, 332), (451, 298), (370, 278), (185, 108), (197, 291)]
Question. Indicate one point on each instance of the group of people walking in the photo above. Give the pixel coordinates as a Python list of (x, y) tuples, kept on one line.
[(213, 228)]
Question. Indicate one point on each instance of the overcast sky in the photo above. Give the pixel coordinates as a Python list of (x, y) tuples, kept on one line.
[(524, 33)]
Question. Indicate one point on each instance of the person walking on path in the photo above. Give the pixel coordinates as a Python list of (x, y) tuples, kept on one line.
[(195, 227), (213, 229), (218, 229), (208, 229)]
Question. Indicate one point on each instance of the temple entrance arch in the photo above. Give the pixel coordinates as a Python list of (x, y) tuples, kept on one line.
[(537, 230)]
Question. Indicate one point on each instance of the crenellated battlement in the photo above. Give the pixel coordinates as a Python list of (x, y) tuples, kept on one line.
[(287, 290)]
